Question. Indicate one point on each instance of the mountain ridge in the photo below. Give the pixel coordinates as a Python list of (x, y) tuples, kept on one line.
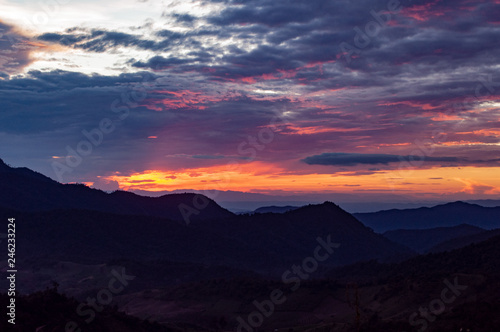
[(26, 190), (442, 215)]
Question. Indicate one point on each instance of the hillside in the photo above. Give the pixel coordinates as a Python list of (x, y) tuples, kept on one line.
[(421, 240), (49, 311), (463, 241), (384, 295)]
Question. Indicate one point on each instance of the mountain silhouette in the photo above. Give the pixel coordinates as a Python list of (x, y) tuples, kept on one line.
[(25, 190), (445, 215)]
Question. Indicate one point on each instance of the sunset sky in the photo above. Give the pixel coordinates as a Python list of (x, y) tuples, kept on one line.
[(265, 96)]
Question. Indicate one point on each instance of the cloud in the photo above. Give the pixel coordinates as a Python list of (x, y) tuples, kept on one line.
[(352, 159), (268, 13), (54, 108), (159, 62), (16, 50), (184, 18), (299, 41), (476, 188)]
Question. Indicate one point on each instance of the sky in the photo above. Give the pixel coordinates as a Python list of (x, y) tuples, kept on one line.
[(367, 98)]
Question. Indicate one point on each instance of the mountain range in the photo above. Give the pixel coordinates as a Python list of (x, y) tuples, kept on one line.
[(205, 274)]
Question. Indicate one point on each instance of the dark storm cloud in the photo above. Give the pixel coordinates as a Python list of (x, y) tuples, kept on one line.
[(159, 62), (184, 18), (268, 13), (352, 159), (59, 81), (53, 109), (282, 13), (47, 102)]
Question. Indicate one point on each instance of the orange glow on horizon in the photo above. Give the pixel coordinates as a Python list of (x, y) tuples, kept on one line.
[(263, 178)]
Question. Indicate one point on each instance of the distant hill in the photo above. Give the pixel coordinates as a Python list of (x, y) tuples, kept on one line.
[(445, 215), (485, 202), (25, 190), (421, 240), (276, 209), (463, 241)]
